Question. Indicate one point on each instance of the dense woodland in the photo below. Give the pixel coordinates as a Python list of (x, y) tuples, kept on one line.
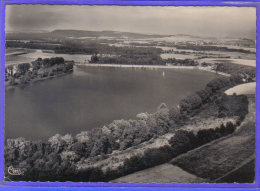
[(248, 72), (40, 68), (57, 159), (212, 48)]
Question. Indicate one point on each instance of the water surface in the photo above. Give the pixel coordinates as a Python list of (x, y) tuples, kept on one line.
[(91, 97)]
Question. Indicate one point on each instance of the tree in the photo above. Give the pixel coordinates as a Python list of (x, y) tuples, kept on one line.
[(6, 74), (57, 143), (56, 60), (83, 137), (193, 101), (22, 80), (94, 59), (180, 142), (12, 82), (175, 116), (23, 68), (36, 65), (10, 69)]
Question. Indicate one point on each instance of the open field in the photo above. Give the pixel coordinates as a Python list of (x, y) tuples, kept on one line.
[(247, 88), (10, 51), (165, 173)]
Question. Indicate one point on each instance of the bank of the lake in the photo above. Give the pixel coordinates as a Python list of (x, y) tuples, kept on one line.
[(37, 79), (209, 69)]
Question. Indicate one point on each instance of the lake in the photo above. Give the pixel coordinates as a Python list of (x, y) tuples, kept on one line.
[(94, 96)]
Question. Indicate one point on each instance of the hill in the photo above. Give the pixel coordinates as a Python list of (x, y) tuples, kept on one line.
[(57, 34)]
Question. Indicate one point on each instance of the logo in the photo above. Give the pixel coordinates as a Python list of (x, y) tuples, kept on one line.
[(15, 171)]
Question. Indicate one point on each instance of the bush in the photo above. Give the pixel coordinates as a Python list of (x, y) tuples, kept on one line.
[(180, 142)]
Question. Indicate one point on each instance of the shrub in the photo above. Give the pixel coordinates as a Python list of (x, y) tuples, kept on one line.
[(180, 142)]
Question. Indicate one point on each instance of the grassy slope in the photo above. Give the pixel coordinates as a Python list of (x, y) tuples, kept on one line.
[(164, 173), (244, 173), (223, 155)]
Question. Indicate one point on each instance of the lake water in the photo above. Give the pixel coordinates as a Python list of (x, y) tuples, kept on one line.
[(94, 96)]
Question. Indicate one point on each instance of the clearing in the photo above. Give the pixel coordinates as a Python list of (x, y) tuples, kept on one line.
[(247, 88)]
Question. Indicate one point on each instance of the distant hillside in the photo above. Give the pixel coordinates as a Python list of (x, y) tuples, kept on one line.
[(76, 33)]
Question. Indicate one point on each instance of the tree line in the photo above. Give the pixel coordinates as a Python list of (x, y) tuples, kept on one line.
[(181, 62), (201, 97), (211, 48)]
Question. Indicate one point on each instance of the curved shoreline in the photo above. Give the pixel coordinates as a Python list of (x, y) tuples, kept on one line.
[(7, 87), (153, 67)]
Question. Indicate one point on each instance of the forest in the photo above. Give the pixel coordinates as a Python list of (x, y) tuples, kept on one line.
[(212, 48), (59, 157)]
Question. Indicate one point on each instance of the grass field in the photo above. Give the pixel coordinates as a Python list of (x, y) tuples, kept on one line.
[(165, 173), (245, 173), (247, 88)]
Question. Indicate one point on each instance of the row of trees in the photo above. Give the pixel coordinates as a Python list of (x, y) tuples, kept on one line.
[(150, 58), (128, 60), (129, 55), (201, 97), (182, 62), (211, 48), (21, 44)]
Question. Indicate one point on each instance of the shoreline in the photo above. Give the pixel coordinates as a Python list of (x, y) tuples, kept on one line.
[(8, 87), (153, 67)]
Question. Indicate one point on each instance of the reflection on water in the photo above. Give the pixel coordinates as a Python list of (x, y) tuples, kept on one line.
[(94, 96)]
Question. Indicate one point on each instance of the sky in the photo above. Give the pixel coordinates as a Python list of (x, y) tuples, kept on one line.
[(203, 21)]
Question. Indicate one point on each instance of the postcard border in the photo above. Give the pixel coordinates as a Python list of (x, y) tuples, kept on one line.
[(252, 3)]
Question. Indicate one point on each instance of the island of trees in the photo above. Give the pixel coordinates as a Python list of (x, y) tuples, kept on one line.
[(38, 69)]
